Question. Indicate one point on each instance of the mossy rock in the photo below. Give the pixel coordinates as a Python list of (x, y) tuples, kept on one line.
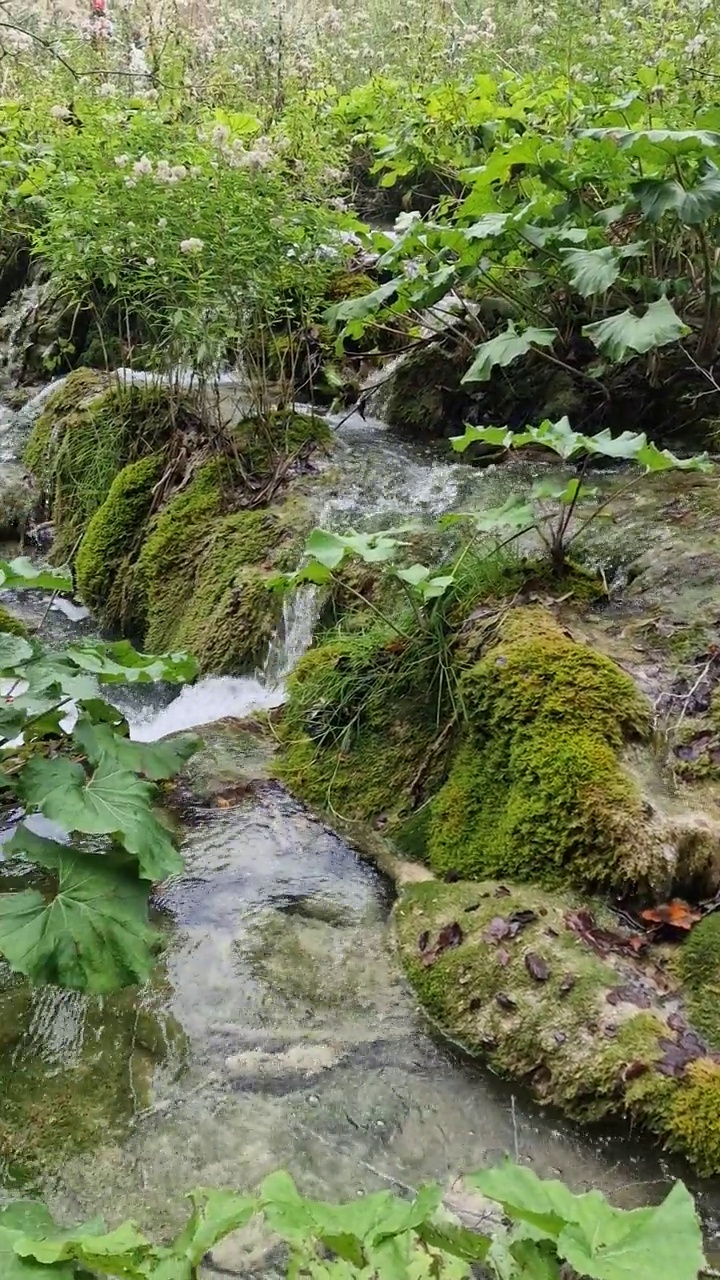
[(537, 790), (89, 429), (112, 540), (10, 624), (54, 1108), (595, 1035), (359, 719)]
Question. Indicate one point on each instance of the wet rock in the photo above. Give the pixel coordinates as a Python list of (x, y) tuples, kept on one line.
[(18, 497)]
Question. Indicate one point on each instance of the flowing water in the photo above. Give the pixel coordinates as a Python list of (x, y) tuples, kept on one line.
[(278, 1029)]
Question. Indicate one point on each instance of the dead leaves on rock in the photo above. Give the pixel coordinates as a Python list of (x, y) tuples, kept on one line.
[(451, 935), (675, 915), (602, 940), (537, 967), (501, 927)]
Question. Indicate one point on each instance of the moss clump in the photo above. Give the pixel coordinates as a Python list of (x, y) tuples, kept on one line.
[(111, 539), (693, 1117), (698, 966), (201, 573), (10, 624), (537, 791), (359, 721), (88, 431)]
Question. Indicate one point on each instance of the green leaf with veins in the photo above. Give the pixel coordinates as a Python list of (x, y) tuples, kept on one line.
[(13, 651), (21, 572), (215, 1214), (53, 670), (609, 1244), (112, 801), (155, 760), (325, 547), (120, 663), (505, 348), (93, 935), (625, 334), (26, 1217), (115, 1253), (591, 270)]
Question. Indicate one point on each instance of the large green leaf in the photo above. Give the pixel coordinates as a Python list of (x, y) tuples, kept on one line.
[(155, 760), (115, 1253), (546, 1204), (327, 548), (21, 572), (93, 935), (364, 307), (13, 651), (120, 663), (112, 801), (505, 348), (664, 1243), (624, 334), (672, 141), (657, 195), (591, 270), (215, 1214), (26, 1216)]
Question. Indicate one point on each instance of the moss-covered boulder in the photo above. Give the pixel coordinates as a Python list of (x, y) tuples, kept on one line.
[(549, 991), (89, 429), (537, 789), (523, 771), (174, 518)]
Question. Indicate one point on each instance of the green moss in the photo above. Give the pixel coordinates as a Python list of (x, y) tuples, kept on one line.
[(111, 540), (359, 722), (698, 967), (536, 790), (693, 1117), (202, 571), (88, 431), (10, 624)]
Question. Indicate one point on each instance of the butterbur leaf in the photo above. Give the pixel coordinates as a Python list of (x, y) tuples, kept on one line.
[(326, 547), (21, 572), (364, 307), (663, 1242), (545, 1204), (26, 1217), (657, 195), (414, 575), (110, 1253), (456, 1240), (93, 935), (591, 270), (13, 651), (501, 437), (120, 663), (625, 334), (505, 348), (112, 801), (155, 760), (215, 1214)]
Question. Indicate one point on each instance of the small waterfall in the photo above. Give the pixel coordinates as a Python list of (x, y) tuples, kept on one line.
[(15, 321)]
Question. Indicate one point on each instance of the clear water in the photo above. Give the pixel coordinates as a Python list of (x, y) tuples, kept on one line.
[(278, 1029)]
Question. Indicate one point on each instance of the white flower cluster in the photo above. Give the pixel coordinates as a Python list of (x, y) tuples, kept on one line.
[(235, 153), (192, 246)]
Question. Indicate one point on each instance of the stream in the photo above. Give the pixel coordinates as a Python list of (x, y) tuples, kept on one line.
[(278, 1030)]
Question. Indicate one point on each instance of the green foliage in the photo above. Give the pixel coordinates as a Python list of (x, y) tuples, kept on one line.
[(554, 525), (593, 1237), (379, 1234), (86, 924)]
